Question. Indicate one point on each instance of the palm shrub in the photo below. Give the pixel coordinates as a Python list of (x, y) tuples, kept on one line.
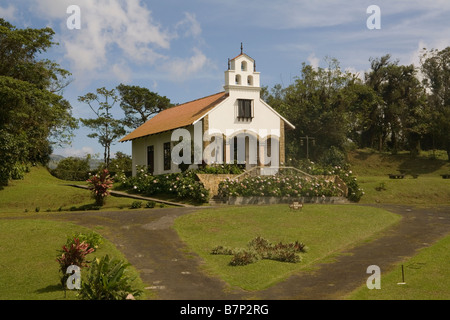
[(107, 280)]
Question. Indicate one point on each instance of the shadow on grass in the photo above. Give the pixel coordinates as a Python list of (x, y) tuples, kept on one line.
[(51, 288), (410, 165)]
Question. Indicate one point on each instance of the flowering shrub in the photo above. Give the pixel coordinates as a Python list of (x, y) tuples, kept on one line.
[(183, 185), (279, 186), (354, 191), (100, 184)]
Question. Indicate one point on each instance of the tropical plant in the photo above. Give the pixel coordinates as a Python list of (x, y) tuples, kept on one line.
[(93, 239), (108, 280), (100, 184), (73, 254)]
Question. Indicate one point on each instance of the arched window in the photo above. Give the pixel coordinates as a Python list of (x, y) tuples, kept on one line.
[(250, 80), (244, 65), (238, 79)]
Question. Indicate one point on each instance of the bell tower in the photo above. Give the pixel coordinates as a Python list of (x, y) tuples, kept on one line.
[(241, 74)]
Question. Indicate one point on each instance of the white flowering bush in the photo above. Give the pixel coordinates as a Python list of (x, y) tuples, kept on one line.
[(183, 185), (279, 186), (292, 185), (355, 192)]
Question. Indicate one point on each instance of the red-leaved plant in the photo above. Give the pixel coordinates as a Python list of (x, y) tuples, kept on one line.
[(75, 254), (100, 184)]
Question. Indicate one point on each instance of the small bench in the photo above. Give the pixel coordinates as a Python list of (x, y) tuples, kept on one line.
[(296, 205), (396, 176), (445, 176)]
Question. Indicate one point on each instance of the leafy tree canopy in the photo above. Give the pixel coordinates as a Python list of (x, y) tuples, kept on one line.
[(33, 114)]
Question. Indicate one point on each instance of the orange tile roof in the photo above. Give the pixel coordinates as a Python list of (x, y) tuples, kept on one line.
[(177, 117)]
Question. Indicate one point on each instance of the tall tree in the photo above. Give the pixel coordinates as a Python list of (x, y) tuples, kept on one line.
[(140, 104), (436, 72), (106, 128), (317, 105), (33, 114), (396, 121)]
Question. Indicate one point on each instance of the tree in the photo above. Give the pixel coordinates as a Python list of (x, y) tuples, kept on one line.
[(121, 162), (435, 67), (140, 104), (317, 104), (398, 121), (33, 114), (107, 129)]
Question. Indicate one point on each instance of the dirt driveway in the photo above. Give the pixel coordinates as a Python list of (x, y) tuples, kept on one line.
[(173, 273)]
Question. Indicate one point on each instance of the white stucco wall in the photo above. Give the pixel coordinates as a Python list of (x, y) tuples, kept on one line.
[(139, 151), (224, 117)]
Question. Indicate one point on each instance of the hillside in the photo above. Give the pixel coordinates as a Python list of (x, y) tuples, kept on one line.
[(40, 191), (429, 188), (367, 162)]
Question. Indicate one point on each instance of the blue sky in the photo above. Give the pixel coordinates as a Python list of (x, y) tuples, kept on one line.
[(179, 48)]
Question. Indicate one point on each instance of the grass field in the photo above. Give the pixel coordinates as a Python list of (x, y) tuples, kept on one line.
[(372, 170), (325, 229), (367, 162), (28, 251), (426, 275), (41, 191)]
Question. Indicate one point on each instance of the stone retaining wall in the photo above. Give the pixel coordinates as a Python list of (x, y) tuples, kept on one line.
[(211, 181)]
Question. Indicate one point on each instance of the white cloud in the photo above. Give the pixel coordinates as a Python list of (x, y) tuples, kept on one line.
[(180, 69), (8, 13), (189, 26), (108, 27), (117, 36)]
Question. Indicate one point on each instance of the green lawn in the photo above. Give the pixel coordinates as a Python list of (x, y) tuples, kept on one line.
[(28, 266), (367, 162), (425, 190), (41, 191), (325, 229), (427, 277), (372, 168)]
